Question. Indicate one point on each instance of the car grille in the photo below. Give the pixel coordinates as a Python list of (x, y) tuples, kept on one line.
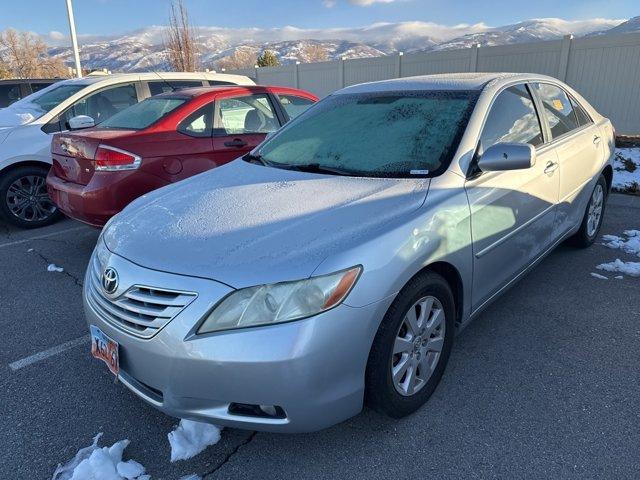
[(141, 311)]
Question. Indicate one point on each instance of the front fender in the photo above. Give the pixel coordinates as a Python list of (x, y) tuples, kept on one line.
[(26, 143), (439, 231)]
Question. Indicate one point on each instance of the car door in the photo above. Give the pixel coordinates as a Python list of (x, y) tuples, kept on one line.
[(99, 105), (578, 145), (241, 123), (512, 212), (190, 147)]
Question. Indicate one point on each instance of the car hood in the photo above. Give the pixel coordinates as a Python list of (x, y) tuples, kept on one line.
[(244, 224), (18, 114)]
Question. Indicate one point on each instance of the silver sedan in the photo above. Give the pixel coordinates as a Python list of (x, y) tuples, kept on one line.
[(333, 266)]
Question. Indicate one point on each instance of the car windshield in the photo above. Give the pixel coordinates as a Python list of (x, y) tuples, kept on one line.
[(143, 114), (37, 104), (383, 134)]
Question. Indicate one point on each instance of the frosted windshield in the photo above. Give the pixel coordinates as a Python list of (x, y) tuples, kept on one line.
[(382, 134)]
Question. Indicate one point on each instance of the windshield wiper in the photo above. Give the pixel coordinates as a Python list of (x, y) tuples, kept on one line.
[(317, 168), (255, 158)]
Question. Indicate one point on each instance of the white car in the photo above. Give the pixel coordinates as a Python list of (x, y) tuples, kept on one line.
[(26, 127)]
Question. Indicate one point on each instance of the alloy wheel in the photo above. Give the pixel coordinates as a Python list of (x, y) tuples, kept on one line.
[(28, 200), (418, 346), (595, 210)]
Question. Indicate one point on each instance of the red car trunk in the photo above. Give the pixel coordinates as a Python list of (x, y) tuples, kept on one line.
[(74, 153)]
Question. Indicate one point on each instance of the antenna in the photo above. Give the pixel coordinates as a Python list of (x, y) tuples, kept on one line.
[(171, 87)]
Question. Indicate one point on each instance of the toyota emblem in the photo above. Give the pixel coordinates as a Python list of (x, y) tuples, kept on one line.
[(110, 280)]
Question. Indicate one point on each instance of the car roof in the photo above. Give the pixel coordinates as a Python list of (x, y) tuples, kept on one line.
[(192, 92), (115, 78), (30, 80), (446, 81)]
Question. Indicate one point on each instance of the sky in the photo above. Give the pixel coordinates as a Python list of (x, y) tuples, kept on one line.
[(111, 17)]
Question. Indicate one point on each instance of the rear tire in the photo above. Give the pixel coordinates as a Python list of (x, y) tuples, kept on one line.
[(428, 299), (593, 216), (24, 201)]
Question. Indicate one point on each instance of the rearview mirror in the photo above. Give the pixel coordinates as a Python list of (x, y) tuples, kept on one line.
[(81, 121), (507, 156)]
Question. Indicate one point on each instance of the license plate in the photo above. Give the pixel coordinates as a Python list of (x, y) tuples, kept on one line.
[(105, 349)]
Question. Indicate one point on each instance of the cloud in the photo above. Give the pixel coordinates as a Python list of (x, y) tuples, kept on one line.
[(56, 35)]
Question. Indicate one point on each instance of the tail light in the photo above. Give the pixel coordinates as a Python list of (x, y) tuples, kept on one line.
[(112, 159)]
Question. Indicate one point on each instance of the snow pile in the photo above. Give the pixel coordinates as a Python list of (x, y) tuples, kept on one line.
[(630, 244), (628, 268), (626, 166), (101, 463), (52, 267), (190, 438)]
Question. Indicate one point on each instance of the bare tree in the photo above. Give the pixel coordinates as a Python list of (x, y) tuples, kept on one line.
[(241, 58), (5, 72), (26, 56), (314, 53), (181, 40)]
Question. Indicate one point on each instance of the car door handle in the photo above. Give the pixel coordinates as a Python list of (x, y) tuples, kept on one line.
[(551, 167), (596, 139), (236, 142)]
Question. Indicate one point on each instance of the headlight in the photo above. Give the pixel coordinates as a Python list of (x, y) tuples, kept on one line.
[(281, 302)]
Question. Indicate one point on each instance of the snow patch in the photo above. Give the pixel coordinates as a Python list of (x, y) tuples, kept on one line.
[(190, 438), (629, 243), (52, 267), (628, 268), (597, 275), (101, 463)]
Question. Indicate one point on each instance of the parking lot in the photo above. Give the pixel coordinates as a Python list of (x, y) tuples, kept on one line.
[(543, 385)]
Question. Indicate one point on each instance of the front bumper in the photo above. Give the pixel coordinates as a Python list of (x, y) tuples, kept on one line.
[(313, 369)]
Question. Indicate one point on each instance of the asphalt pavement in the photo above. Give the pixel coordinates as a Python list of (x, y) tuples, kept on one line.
[(544, 384)]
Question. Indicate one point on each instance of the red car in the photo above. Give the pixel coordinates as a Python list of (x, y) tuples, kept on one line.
[(166, 138)]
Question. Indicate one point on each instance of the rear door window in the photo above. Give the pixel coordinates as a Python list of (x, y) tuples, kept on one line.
[(160, 86), (39, 86), (294, 105), (199, 123), (513, 118), (558, 109), (581, 114), (245, 115)]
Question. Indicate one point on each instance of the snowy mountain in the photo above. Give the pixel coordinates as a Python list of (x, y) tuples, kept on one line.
[(529, 31), (630, 26), (144, 50)]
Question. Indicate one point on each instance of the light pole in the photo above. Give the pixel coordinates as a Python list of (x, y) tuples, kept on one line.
[(74, 39)]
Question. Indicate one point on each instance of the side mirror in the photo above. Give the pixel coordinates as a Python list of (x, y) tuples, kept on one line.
[(81, 121), (507, 156)]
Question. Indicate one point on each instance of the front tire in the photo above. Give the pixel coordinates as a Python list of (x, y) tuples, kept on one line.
[(593, 216), (412, 346), (24, 201)]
